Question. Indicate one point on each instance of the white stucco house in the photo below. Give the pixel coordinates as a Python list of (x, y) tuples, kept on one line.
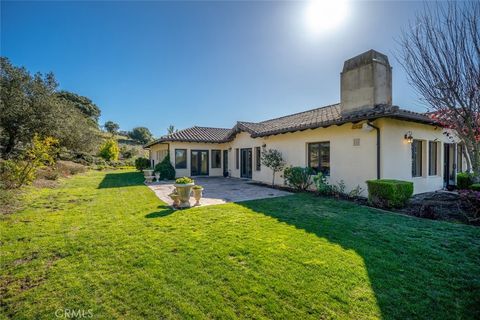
[(363, 137)]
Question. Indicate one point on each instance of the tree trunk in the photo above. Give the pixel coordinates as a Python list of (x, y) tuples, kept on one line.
[(475, 162), (10, 145), (273, 179)]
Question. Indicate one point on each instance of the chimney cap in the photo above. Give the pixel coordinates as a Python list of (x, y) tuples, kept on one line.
[(365, 58)]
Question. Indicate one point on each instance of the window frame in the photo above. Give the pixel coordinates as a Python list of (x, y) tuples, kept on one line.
[(177, 166), (419, 153), (237, 160), (212, 162), (309, 159), (459, 158), (258, 158), (434, 161)]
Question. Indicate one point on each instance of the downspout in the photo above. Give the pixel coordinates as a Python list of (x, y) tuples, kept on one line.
[(378, 147)]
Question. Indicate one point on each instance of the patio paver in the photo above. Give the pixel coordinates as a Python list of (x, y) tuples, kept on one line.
[(218, 190)]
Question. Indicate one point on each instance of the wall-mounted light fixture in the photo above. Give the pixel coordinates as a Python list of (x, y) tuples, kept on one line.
[(408, 137), (264, 145), (230, 149)]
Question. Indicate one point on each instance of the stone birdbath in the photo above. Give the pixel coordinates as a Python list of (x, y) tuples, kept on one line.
[(184, 188), (197, 194)]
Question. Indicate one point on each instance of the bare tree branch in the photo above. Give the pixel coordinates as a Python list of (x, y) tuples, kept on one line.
[(440, 51)]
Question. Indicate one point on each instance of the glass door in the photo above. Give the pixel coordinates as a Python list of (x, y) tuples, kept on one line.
[(246, 163), (225, 163), (449, 164), (199, 162)]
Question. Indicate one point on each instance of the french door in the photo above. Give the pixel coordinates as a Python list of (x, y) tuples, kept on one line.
[(449, 165), (199, 163), (225, 163), (246, 163)]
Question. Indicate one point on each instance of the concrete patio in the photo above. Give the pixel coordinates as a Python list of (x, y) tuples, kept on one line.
[(218, 190)]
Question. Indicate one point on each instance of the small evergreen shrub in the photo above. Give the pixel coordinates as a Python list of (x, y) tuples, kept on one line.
[(322, 185), (298, 178), (464, 180), (142, 163), (109, 150), (184, 180), (385, 193), (475, 187), (165, 168)]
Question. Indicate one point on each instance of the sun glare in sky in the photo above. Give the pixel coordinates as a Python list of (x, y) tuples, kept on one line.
[(325, 15)]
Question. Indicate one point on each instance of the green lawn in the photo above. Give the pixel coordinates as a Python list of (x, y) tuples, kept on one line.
[(103, 241)]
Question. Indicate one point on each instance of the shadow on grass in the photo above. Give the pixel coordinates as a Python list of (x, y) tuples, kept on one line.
[(164, 211), (417, 268), (121, 179)]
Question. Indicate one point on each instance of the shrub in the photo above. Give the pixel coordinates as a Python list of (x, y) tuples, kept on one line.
[(69, 168), (356, 192), (322, 185), (12, 174), (338, 189), (110, 150), (464, 180), (475, 186), (40, 153), (165, 168), (184, 180), (298, 178), (128, 153), (471, 202), (47, 173), (389, 193), (142, 163)]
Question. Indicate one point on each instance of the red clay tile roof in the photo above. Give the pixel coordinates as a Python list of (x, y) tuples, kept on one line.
[(311, 119), (199, 134)]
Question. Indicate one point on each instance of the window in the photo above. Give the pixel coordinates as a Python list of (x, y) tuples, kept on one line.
[(432, 158), (180, 158), (216, 158), (258, 158), (416, 158), (459, 158), (237, 154), (319, 157)]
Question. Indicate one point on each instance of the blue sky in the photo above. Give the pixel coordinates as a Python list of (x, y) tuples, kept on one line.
[(199, 63)]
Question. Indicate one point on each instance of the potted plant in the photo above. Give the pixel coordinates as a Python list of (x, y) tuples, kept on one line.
[(197, 194), (175, 197), (184, 187)]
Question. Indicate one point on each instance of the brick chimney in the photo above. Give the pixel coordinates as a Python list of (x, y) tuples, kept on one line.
[(366, 82)]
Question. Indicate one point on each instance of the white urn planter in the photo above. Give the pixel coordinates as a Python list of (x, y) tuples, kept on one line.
[(147, 173), (175, 197), (197, 194), (157, 176), (183, 191)]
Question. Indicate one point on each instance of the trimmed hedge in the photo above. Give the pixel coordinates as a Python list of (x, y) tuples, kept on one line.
[(142, 163), (165, 168), (475, 187), (389, 193), (464, 180)]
